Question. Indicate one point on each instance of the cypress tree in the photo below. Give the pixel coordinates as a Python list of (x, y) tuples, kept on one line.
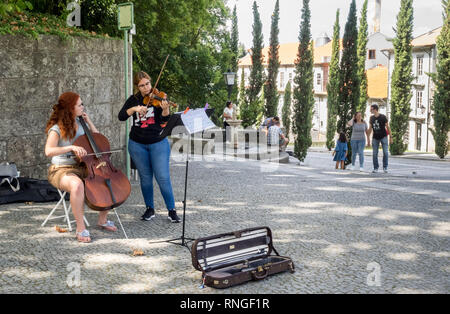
[(270, 88), (251, 110), (441, 79), (286, 111), (362, 55), (303, 97), (241, 101), (401, 78), (349, 82), (333, 85), (234, 50), (234, 40)]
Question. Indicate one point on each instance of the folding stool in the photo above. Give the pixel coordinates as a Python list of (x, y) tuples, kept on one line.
[(66, 211)]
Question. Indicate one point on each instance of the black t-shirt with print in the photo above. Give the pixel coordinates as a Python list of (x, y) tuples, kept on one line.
[(378, 126), (144, 130)]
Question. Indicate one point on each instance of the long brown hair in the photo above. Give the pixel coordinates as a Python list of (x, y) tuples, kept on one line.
[(138, 76), (63, 115)]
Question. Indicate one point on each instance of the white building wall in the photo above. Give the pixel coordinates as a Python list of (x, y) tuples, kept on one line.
[(418, 134)]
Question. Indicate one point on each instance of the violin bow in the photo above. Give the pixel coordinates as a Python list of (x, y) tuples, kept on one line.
[(162, 69)]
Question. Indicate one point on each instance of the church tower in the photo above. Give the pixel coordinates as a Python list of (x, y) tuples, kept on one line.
[(374, 16)]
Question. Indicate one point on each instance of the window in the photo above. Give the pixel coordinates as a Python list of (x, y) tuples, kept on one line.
[(372, 54), (281, 79), (319, 79), (290, 77), (419, 66), (419, 99), (418, 136)]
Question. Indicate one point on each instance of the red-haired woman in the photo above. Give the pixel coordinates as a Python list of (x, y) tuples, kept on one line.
[(63, 128)]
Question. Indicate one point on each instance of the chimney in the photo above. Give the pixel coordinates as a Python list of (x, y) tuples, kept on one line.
[(374, 16)]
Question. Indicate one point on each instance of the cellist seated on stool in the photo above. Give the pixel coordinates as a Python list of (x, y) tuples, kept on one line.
[(65, 173)]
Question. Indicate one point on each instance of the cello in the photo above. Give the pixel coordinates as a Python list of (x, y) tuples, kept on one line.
[(105, 186)]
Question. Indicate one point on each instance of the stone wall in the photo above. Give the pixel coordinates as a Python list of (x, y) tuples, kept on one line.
[(33, 73)]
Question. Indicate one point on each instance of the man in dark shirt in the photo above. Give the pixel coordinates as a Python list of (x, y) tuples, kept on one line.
[(268, 123), (381, 130)]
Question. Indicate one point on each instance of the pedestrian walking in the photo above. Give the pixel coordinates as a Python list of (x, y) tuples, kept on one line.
[(358, 139), (378, 123)]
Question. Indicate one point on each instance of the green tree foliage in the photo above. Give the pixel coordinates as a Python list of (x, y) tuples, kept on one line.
[(333, 85), (286, 111), (349, 81), (99, 16), (362, 56), (235, 51), (270, 88), (242, 92), (441, 79), (194, 33), (234, 40), (253, 106), (401, 78), (12, 6), (303, 97)]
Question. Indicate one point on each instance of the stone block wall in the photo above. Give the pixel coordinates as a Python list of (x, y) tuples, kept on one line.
[(33, 73)]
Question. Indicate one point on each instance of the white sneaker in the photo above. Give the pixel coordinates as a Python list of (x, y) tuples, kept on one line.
[(352, 167), (374, 170), (385, 170), (361, 169)]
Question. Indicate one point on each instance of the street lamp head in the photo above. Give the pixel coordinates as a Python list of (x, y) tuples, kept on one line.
[(229, 77)]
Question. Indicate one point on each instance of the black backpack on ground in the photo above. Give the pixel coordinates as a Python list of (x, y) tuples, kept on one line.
[(31, 190)]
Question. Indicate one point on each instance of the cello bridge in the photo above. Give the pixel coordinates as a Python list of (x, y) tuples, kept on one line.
[(102, 164)]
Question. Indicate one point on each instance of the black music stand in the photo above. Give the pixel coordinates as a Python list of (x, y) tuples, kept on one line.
[(175, 120)]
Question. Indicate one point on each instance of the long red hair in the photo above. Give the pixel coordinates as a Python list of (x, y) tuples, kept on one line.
[(63, 115)]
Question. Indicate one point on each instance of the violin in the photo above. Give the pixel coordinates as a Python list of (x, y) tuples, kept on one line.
[(105, 187), (156, 97)]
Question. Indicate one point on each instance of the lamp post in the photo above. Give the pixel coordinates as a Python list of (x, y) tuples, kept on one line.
[(234, 123), (229, 80)]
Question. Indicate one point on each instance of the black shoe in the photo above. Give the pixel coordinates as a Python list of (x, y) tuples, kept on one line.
[(149, 214), (173, 216)]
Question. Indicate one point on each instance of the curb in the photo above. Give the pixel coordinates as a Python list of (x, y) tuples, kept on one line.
[(407, 156)]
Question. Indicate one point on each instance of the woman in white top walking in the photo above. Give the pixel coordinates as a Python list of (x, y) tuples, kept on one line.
[(227, 115)]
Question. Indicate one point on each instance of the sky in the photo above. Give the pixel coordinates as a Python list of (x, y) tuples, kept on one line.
[(427, 16)]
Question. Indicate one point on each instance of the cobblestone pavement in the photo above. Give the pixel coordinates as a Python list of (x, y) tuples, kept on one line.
[(341, 228)]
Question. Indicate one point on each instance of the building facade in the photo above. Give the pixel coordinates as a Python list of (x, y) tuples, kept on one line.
[(377, 75), (424, 53)]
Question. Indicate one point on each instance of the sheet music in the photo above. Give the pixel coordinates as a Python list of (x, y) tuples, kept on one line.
[(196, 120)]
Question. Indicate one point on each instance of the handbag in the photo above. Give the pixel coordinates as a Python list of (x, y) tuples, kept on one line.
[(8, 170), (9, 174)]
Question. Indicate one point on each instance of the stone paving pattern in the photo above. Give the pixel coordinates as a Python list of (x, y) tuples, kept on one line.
[(331, 223)]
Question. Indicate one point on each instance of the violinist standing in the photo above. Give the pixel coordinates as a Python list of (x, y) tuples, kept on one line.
[(65, 173), (148, 151)]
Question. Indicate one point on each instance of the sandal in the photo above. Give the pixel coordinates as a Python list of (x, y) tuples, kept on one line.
[(83, 236), (109, 225)]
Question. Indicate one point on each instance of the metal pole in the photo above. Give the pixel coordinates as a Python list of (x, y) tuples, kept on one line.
[(126, 97), (185, 185)]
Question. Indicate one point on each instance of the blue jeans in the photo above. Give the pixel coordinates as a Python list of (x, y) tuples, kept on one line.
[(375, 146), (153, 159), (358, 148)]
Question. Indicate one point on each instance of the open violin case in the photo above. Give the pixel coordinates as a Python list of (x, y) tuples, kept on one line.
[(233, 258)]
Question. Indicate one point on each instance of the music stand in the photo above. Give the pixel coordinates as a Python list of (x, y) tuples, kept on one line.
[(175, 120)]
